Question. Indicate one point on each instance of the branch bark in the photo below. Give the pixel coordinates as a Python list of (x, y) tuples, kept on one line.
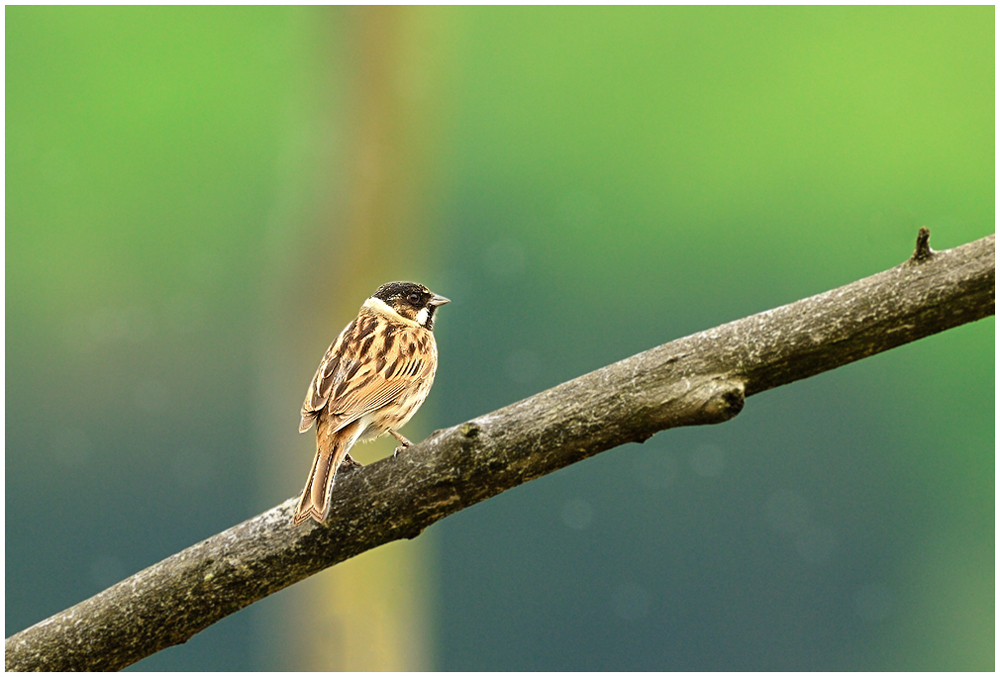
[(700, 379)]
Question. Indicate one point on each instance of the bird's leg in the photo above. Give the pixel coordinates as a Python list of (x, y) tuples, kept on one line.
[(403, 442)]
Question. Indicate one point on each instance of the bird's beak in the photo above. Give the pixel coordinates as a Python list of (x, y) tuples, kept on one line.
[(438, 301)]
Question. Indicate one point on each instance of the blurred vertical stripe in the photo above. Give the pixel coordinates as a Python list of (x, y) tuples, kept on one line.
[(375, 221)]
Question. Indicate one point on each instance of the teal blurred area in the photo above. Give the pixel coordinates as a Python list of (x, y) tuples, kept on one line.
[(607, 179)]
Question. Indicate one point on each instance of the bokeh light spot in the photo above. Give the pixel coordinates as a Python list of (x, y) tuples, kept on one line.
[(577, 514), (708, 460)]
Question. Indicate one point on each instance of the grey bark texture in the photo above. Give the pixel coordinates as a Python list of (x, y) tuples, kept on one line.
[(700, 379)]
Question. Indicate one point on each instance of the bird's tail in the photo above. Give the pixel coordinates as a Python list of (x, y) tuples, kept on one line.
[(315, 499)]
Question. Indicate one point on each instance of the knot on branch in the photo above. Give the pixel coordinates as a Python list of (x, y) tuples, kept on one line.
[(724, 400), (469, 430)]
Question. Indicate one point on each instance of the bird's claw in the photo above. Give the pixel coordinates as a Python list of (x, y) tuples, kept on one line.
[(350, 463), (403, 442)]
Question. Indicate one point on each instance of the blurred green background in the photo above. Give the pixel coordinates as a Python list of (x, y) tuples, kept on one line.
[(198, 199)]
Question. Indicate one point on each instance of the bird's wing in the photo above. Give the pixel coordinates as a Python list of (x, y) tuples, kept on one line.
[(361, 374), (319, 387)]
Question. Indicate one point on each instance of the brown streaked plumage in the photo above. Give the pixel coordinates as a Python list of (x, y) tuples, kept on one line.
[(373, 378)]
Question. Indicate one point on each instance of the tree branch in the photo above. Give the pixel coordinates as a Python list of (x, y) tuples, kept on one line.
[(699, 379)]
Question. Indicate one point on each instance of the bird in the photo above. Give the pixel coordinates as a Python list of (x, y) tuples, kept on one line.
[(371, 381)]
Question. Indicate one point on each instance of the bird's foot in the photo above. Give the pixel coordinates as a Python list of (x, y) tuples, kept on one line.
[(403, 443), (349, 463)]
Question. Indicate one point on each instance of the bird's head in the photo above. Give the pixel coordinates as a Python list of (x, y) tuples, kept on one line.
[(411, 301)]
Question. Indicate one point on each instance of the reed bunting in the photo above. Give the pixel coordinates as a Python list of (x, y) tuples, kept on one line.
[(373, 378)]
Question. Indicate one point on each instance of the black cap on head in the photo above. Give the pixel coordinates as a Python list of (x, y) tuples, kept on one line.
[(401, 290)]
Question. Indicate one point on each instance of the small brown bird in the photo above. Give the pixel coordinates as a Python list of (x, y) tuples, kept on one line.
[(373, 378)]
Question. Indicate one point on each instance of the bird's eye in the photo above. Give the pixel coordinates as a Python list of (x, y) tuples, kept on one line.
[(414, 299)]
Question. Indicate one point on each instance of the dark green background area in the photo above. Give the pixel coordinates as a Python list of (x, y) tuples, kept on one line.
[(611, 179)]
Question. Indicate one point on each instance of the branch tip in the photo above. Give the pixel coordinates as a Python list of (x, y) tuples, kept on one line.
[(923, 250)]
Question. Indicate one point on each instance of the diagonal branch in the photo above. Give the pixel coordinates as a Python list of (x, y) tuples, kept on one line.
[(699, 379)]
